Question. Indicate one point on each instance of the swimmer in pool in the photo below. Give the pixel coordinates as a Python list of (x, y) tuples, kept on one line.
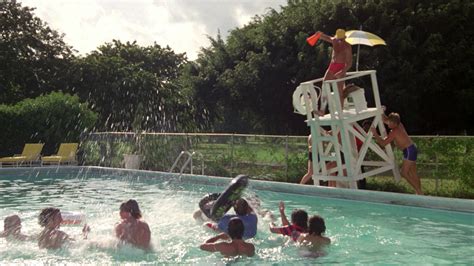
[(314, 238), (51, 237), (245, 213), (131, 229), (299, 223), (236, 246), (12, 228)]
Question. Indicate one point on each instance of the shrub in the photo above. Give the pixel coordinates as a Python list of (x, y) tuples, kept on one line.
[(50, 119)]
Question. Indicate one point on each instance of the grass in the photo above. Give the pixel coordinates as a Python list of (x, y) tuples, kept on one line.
[(451, 188)]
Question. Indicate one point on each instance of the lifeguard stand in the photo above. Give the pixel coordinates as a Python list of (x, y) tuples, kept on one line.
[(340, 145)]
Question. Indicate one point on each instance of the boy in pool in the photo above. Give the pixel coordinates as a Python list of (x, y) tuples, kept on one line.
[(314, 237), (236, 247), (131, 229), (12, 228), (399, 135), (299, 223), (245, 213)]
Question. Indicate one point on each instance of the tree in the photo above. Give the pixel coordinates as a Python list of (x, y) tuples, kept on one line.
[(425, 68), (132, 85), (33, 57)]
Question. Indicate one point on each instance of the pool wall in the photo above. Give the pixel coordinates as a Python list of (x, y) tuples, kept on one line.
[(451, 204)]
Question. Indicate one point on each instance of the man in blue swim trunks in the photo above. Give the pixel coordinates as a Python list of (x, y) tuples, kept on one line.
[(245, 213), (404, 142)]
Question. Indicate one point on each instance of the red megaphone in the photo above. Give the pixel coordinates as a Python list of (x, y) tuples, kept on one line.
[(313, 39)]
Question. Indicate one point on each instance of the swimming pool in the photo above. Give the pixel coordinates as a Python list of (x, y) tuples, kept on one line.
[(362, 232)]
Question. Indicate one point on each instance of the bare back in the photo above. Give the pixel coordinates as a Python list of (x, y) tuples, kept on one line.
[(52, 239), (316, 241), (235, 248), (134, 232)]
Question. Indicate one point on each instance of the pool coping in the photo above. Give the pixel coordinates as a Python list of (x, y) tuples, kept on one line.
[(431, 202)]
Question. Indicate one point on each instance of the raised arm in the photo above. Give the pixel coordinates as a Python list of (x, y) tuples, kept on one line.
[(222, 236), (284, 220), (325, 37)]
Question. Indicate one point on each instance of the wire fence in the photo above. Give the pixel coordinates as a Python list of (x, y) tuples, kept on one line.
[(268, 157)]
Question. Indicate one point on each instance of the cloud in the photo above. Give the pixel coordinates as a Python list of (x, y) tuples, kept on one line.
[(181, 24)]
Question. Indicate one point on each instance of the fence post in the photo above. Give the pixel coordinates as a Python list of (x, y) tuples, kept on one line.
[(232, 155), (286, 158), (437, 173)]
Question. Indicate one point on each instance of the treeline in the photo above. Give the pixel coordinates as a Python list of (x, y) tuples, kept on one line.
[(243, 84)]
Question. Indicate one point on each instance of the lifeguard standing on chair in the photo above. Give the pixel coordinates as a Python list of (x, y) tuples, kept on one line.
[(341, 59)]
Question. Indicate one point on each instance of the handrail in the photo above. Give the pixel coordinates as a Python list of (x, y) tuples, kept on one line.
[(188, 160)]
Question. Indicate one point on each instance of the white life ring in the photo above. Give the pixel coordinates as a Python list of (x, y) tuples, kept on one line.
[(72, 218), (299, 101)]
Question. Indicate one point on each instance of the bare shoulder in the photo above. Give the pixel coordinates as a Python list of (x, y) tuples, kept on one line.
[(250, 249), (326, 240), (143, 225)]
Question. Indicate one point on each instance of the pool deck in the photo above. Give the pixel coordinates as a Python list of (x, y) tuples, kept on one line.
[(442, 203)]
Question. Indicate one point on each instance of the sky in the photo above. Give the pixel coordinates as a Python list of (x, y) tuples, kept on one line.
[(181, 24)]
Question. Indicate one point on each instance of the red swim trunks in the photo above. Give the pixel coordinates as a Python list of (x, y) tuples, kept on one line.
[(336, 67)]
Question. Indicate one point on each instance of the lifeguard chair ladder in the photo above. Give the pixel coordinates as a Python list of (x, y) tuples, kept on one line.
[(341, 144)]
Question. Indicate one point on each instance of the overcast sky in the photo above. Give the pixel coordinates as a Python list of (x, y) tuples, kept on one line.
[(181, 24)]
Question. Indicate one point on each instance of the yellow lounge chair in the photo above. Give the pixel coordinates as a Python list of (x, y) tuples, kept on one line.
[(66, 155), (31, 153)]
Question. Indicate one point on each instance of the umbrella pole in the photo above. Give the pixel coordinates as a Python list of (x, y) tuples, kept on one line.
[(357, 61), (358, 50)]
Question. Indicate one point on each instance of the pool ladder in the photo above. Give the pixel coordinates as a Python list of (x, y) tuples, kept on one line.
[(189, 160)]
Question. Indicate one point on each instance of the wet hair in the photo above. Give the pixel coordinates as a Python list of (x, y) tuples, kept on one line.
[(241, 207), (316, 225), (300, 218), (394, 117), (46, 215), (236, 228), (131, 206), (11, 222)]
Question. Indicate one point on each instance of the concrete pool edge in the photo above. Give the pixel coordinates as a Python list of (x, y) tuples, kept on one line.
[(450, 204)]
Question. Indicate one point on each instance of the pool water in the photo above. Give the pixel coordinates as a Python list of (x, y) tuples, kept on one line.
[(361, 232)]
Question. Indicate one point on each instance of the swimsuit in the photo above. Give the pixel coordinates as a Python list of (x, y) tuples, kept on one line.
[(291, 230), (410, 153), (336, 67)]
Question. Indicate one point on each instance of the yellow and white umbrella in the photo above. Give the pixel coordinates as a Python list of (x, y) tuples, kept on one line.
[(359, 37)]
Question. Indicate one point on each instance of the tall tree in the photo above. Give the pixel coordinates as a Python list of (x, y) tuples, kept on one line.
[(33, 57), (425, 68), (132, 87)]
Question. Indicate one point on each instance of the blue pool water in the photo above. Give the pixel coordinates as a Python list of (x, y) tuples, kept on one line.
[(361, 232)]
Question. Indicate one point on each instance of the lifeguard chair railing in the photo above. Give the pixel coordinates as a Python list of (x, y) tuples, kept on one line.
[(339, 148)]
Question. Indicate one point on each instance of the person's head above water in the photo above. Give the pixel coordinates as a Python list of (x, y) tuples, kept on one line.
[(241, 207), (12, 223), (316, 225), (236, 228), (131, 206), (300, 218), (50, 216), (340, 34)]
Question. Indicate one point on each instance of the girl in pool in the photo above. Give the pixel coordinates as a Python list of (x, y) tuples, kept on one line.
[(51, 237), (299, 223), (131, 229)]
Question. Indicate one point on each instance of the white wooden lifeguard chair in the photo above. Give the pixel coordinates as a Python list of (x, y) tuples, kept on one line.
[(340, 146)]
